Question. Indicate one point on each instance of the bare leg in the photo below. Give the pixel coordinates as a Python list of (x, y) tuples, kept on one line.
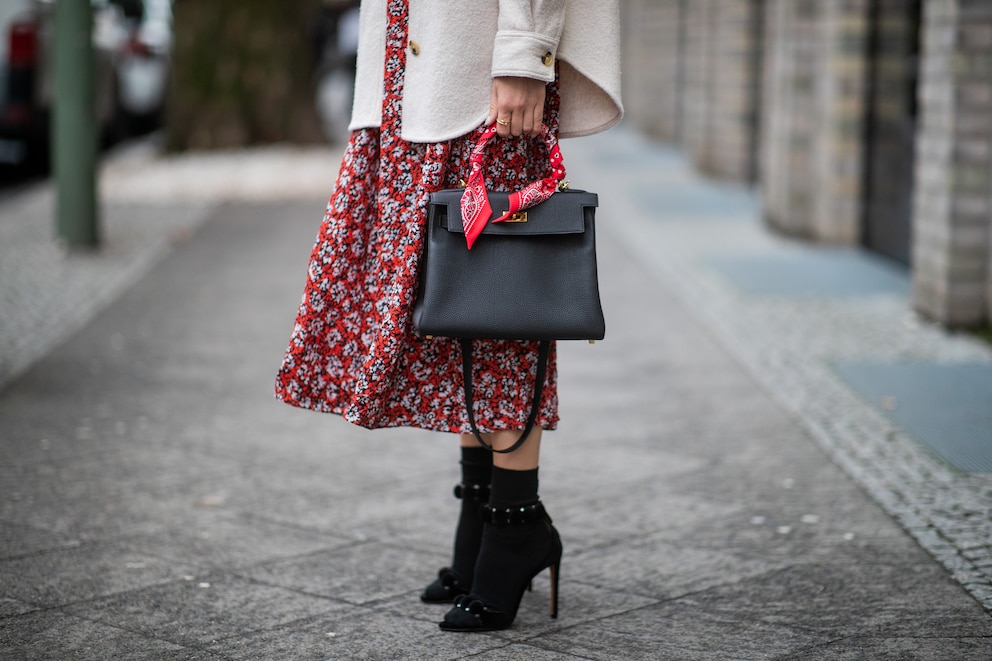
[(526, 457)]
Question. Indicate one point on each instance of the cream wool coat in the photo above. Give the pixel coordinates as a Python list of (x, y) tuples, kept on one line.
[(456, 47)]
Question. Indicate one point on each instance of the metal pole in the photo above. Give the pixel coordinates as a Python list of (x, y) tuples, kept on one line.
[(74, 148)]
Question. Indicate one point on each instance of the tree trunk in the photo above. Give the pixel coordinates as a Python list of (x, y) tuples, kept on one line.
[(242, 74)]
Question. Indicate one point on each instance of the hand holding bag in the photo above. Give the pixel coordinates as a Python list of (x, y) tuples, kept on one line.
[(528, 274)]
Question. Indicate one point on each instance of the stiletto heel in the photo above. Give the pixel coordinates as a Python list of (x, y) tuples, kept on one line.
[(479, 611), (554, 588)]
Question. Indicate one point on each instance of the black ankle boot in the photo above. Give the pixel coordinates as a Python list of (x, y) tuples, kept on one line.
[(518, 543), (456, 580)]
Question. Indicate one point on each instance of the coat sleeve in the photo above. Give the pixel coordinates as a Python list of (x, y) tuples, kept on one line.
[(527, 38)]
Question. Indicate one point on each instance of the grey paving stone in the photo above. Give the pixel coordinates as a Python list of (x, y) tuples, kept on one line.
[(57, 636), (899, 649), (804, 596), (659, 570), (204, 609), (579, 602), (11, 607), (91, 570), (102, 508), (224, 540), (676, 631), (358, 574), (137, 468), (629, 512), (361, 634), (523, 651), (419, 510), (18, 540)]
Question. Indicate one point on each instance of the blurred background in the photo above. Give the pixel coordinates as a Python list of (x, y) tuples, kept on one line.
[(212, 75), (865, 124), (861, 124), (132, 45)]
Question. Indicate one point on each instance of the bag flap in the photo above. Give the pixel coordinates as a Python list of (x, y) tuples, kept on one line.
[(562, 213)]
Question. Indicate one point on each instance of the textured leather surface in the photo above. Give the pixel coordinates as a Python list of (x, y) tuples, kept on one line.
[(521, 281), (556, 215)]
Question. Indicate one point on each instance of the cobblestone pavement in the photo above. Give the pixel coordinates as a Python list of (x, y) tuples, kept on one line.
[(790, 343)]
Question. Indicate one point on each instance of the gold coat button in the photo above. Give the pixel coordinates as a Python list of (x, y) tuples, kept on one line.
[(415, 48), (548, 59)]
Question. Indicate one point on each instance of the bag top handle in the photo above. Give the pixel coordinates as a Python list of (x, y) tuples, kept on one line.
[(476, 211)]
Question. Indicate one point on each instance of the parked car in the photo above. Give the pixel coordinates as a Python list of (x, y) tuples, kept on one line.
[(132, 43)]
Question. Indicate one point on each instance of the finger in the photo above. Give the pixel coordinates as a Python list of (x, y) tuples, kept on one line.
[(517, 124), (528, 121), (503, 125), (538, 112), (493, 106), (504, 121)]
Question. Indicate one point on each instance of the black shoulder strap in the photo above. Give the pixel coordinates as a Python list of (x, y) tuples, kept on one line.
[(542, 371)]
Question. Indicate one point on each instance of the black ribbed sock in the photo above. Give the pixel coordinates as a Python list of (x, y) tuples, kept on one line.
[(510, 488), (477, 465), (477, 468)]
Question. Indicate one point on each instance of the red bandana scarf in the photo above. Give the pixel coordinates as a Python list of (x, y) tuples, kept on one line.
[(476, 212)]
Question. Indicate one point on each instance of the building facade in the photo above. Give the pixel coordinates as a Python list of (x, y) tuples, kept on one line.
[(861, 122)]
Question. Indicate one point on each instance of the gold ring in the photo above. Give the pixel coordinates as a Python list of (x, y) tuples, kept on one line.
[(503, 122)]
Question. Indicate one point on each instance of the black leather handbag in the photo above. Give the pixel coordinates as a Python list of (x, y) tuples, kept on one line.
[(530, 274)]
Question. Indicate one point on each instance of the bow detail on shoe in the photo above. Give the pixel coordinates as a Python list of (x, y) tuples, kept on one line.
[(472, 605), (449, 580), (470, 613), (447, 586)]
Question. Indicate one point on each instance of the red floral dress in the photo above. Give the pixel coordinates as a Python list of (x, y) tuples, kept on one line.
[(353, 350)]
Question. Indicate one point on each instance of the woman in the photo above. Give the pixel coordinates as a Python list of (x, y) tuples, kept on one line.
[(431, 76)]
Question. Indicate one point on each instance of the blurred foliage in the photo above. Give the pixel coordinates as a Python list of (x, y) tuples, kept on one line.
[(242, 74)]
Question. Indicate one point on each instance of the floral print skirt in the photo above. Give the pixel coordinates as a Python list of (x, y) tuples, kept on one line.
[(353, 350)]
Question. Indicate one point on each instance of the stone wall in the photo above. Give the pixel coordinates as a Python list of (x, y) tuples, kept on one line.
[(830, 83), (892, 124), (813, 117), (732, 32), (691, 73), (952, 249), (698, 57), (652, 66)]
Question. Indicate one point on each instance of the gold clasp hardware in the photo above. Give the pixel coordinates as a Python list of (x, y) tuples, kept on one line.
[(462, 183), (592, 341), (518, 217), (564, 185)]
